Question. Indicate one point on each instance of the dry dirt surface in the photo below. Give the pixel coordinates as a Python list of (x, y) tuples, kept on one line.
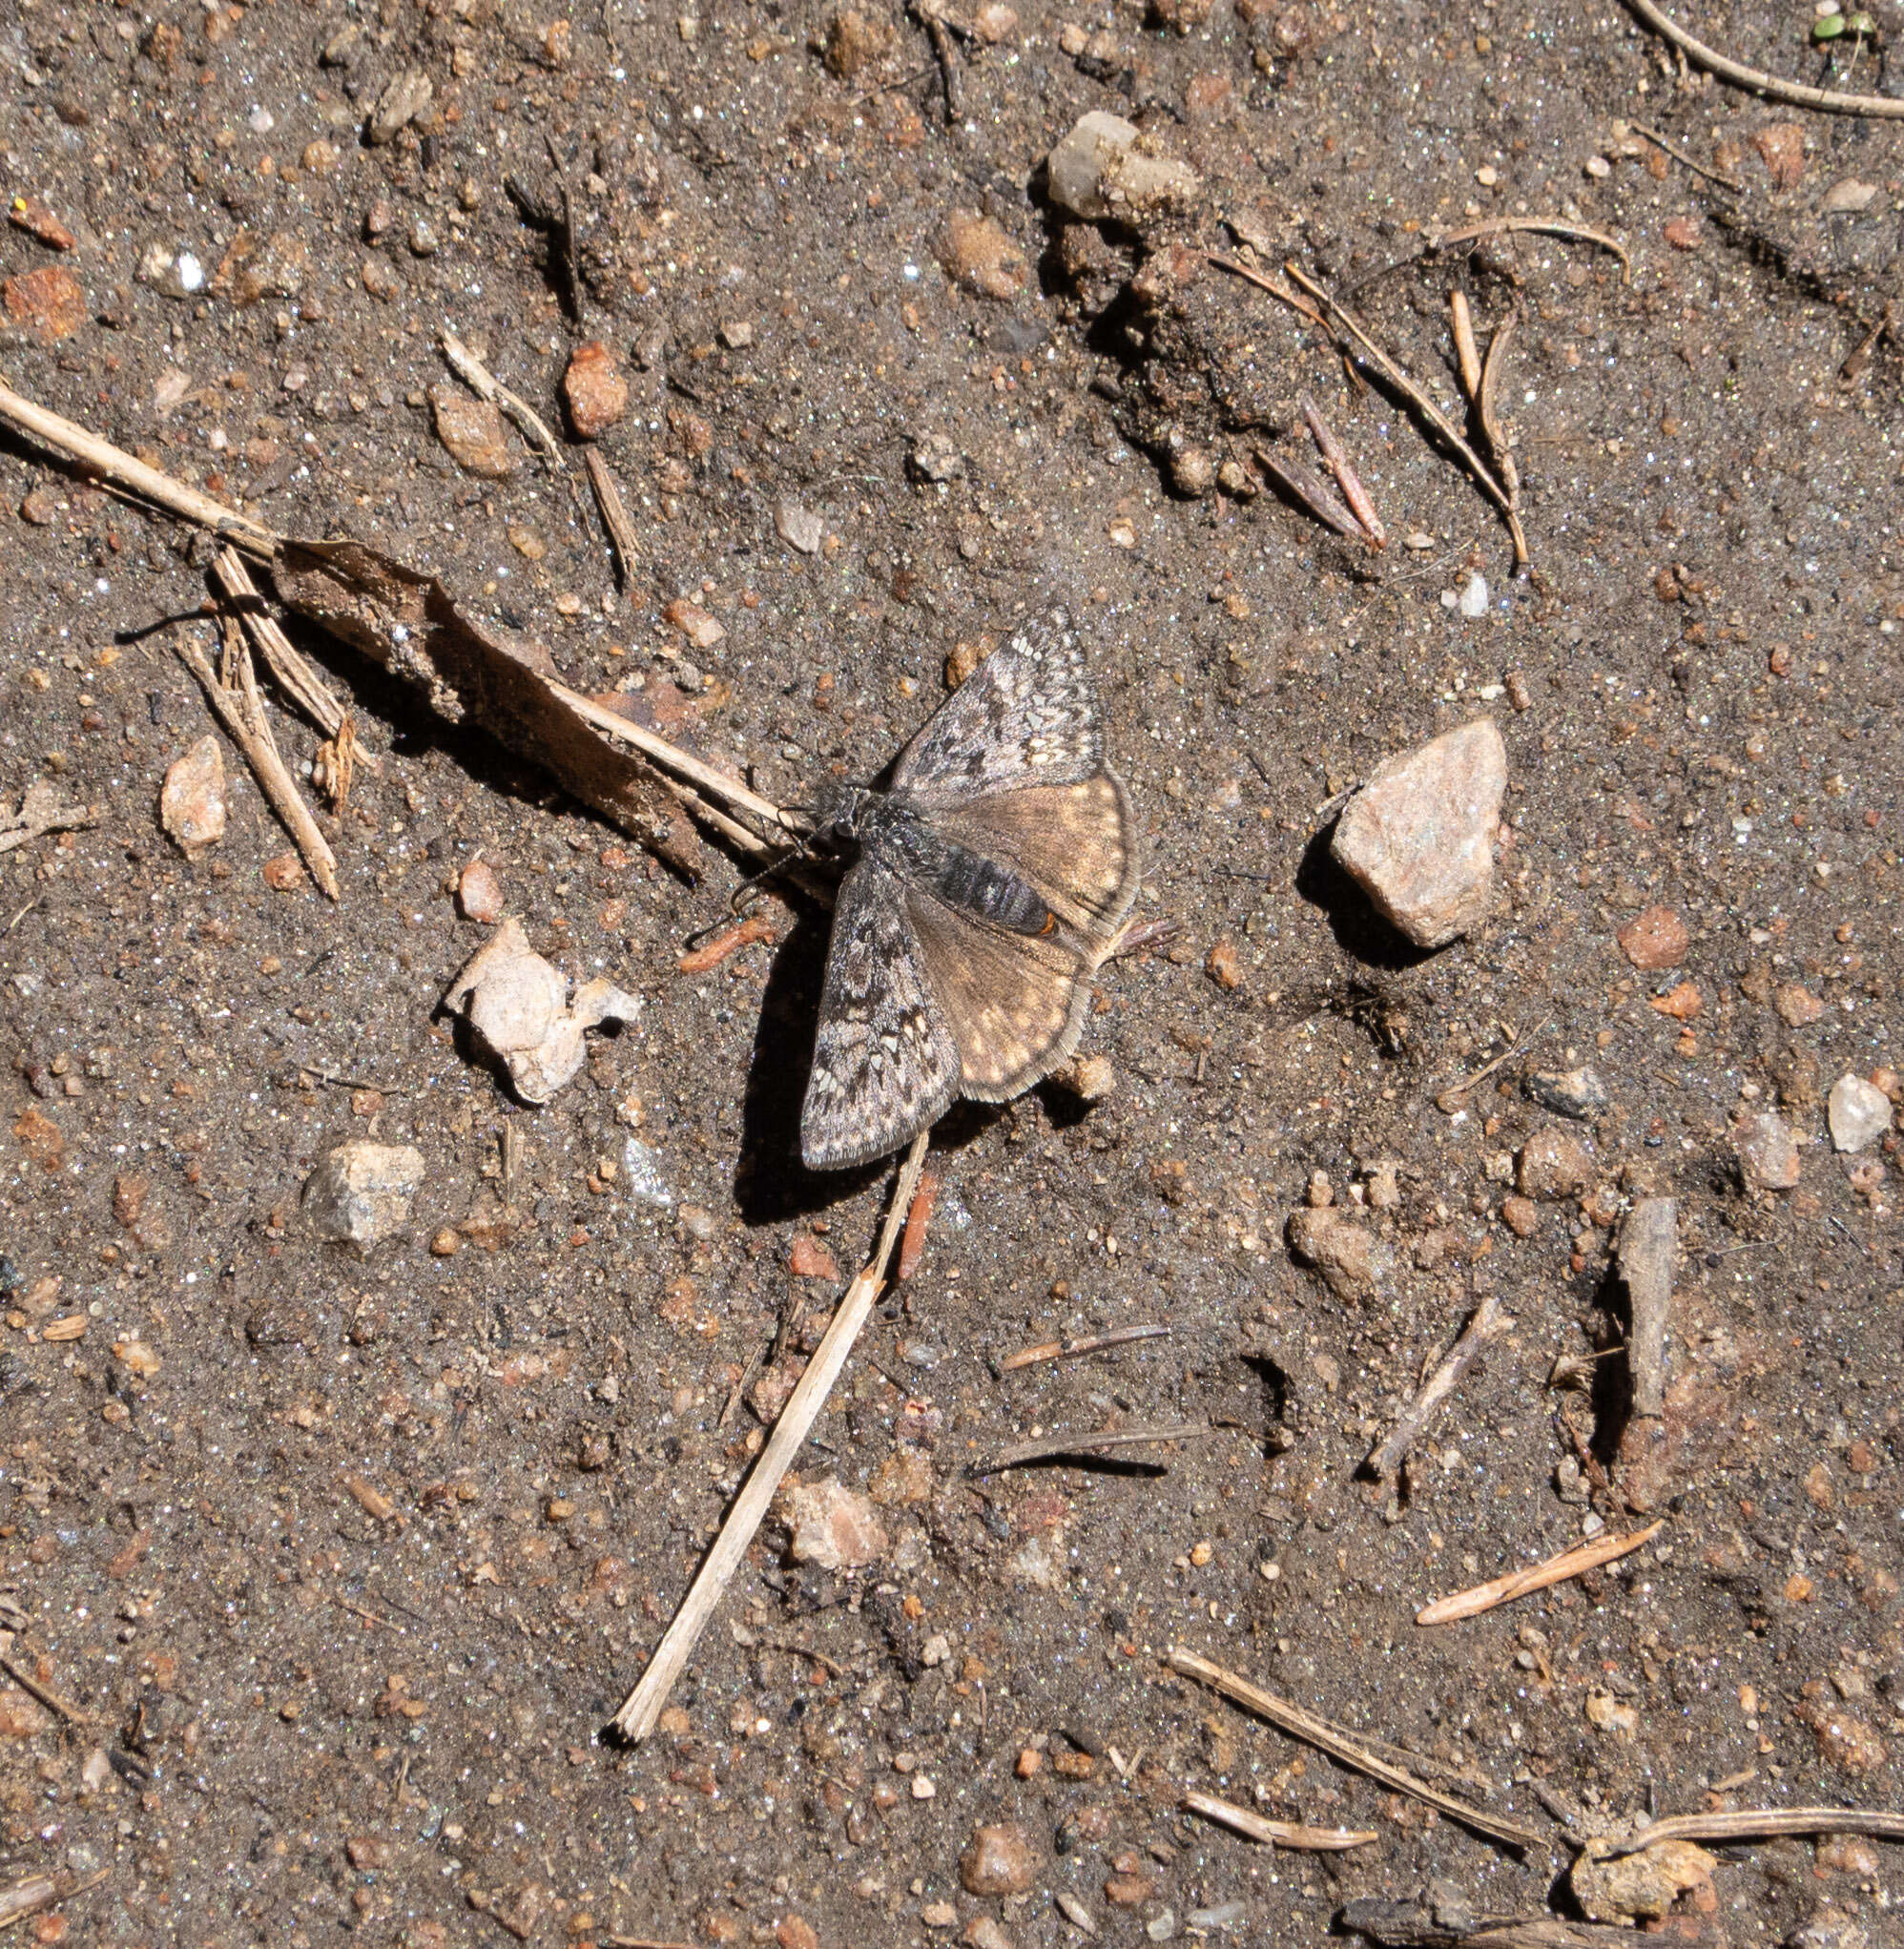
[(320, 1574)]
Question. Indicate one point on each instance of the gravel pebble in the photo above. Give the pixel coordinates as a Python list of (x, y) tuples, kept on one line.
[(1553, 1163), (192, 802), (1654, 938), (1767, 1152), (594, 391), (360, 1194), (999, 1859), (473, 433), (1860, 1112)]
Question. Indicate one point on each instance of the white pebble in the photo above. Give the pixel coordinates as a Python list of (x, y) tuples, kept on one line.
[(1473, 600)]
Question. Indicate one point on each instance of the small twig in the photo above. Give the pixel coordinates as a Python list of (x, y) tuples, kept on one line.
[(1426, 406), (1449, 1099), (614, 515), (339, 1080), (260, 754), (1343, 1746), (1678, 155), (1488, 1321), (1467, 354), (1336, 454), (1075, 1349), (297, 675), (1280, 292), (638, 1943), (671, 757), (37, 1892), (63, 1708), (1648, 1245), (1546, 226), (1767, 1823), (642, 1706), (1106, 1442), (1757, 81), (912, 1242), (1859, 356), (1557, 1569), (1280, 1834), (1486, 395), (1308, 489), (943, 52), (110, 463), (820, 1658), (40, 813), (485, 386), (1409, 1925)]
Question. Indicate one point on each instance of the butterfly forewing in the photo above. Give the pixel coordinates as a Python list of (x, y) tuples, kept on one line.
[(885, 1064), (1025, 716)]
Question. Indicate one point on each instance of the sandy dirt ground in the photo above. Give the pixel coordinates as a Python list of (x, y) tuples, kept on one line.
[(320, 1574)]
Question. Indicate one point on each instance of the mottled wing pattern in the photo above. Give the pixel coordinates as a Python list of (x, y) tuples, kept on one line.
[(1014, 1003), (886, 1066), (1076, 844), (1025, 716)]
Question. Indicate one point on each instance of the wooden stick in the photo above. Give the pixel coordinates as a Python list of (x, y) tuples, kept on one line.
[(1648, 1245), (1280, 1834), (1487, 1321), (111, 462), (1757, 81), (1544, 226), (1467, 355), (1409, 1925), (267, 767), (485, 386), (1309, 490), (1340, 1745), (614, 514), (1280, 292), (1106, 1442), (1678, 155), (295, 674), (678, 761), (1557, 1569), (1336, 456), (1426, 406), (642, 1707), (1768, 1823), (1070, 1350), (1485, 396), (62, 1709)]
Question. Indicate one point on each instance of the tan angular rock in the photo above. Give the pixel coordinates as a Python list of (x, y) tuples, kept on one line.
[(1419, 837), (1767, 1152), (1655, 939), (360, 1194), (1107, 164), (1553, 1163), (1630, 1888), (192, 801), (833, 1527), (974, 252), (518, 1006), (999, 1859), (1338, 1249), (473, 433)]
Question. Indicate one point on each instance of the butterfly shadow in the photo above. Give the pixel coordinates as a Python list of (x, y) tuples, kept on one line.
[(1361, 931)]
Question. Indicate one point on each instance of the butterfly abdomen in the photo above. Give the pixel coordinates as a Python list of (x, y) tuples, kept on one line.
[(955, 875)]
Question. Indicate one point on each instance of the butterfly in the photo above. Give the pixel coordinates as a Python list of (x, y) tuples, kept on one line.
[(987, 883)]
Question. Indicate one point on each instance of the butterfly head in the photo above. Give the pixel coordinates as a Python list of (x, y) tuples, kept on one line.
[(843, 812)]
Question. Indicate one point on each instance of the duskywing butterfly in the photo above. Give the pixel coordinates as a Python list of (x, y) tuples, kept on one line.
[(990, 882)]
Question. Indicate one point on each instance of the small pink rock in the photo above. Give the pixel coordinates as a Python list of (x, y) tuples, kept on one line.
[(810, 1260), (1767, 1152), (472, 431), (47, 305), (1419, 837), (595, 389), (833, 1529), (999, 1859), (192, 802), (1655, 939), (694, 623), (479, 893), (1554, 1164), (974, 252), (1798, 1007)]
